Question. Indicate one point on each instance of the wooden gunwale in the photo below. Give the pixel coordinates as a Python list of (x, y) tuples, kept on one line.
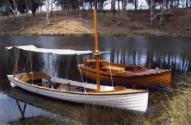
[(106, 93), (122, 75)]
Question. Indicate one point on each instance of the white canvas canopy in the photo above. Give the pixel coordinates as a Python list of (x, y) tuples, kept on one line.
[(32, 48)]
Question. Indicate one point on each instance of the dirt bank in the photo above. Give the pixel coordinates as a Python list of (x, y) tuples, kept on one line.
[(132, 23)]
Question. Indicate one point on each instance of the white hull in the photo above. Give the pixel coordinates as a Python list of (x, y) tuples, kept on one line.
[(135, 101)]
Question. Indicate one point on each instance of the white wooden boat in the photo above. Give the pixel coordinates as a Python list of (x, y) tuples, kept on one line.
[(129, 99), (63, 89)]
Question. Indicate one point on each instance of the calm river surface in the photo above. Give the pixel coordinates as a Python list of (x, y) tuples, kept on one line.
[(163, 52)]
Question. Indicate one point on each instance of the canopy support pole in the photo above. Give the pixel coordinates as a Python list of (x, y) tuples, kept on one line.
[(81, 74)]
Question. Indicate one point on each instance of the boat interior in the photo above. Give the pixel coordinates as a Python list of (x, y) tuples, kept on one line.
[(43, 80), (106, 66)]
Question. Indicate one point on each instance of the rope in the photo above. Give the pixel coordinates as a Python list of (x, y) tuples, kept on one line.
[(86, 76), (48, 64), (111, 73), (67, 68), (17, 57), (31, 66), (81, 73), (80, 69), (53, 66), (7, 54)]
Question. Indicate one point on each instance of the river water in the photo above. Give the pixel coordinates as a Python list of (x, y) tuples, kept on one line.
[(163, 52)]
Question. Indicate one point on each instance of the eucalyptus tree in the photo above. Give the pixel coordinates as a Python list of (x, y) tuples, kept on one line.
[(48, 4), (12, 6), (162, 13), (33, 5), (113, 8), (21, 6)]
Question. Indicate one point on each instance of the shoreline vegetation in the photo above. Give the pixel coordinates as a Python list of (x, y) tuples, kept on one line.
[(175, 107), (71, 24)]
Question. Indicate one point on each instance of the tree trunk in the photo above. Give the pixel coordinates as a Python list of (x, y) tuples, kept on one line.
[(67, 7), (13, 9), (171, 5), (113, 8), (48, 10), (135, 5), (152, 12), (161, 16), (186, 3), (124, 4), (119, 13), (177, 3), (15, 6), (95, 4), (79, 11), (166, 2)]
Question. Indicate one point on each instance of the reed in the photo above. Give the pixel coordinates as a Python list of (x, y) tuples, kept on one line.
[(92, 115), (176, 109)]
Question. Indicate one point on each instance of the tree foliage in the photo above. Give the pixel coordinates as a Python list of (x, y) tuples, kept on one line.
[(21, 6)]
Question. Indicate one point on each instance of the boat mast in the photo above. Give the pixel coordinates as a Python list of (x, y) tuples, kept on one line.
[(96, 53)]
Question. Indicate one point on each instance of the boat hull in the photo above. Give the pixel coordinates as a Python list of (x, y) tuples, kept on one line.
[(162, 78), (135, 101)]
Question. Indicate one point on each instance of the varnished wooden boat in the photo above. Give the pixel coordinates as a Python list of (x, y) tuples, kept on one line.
[(127, 75)]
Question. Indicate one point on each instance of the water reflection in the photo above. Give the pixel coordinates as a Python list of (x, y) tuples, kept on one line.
[(21, 106), (153, 59), (10, 112)]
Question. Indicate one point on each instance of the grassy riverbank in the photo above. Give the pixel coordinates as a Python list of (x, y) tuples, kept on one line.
[(176, 109), (71, 24)]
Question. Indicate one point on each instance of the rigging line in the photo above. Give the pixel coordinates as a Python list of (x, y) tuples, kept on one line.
[(16, 59), (52, 65), (86, 76), (111, 73), (80, 69), (56, 67), (81, 73), (17, 55), (67, 67), (68, 61), (31, 66), (7, 54), (48, 56)]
